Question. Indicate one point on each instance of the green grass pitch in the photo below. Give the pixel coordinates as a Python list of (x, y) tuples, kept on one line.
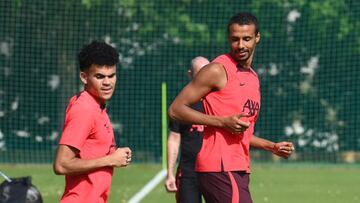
[(270, 183)]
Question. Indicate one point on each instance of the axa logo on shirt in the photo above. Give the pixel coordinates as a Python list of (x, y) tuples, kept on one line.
[(252, 107), (199, 128), (107, 126)]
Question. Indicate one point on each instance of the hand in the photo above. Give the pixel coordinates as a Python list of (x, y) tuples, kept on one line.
[(283, 149), (170, 184), (121, 157), (237, 123)]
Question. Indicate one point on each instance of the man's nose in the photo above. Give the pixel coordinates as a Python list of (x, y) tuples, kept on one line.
[(106, 81), (241, 44)]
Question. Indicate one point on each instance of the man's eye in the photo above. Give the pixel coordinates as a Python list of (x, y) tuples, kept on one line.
[(99, 76)]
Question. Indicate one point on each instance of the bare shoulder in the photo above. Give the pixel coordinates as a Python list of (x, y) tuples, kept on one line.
[(213, 68), (213, 75)]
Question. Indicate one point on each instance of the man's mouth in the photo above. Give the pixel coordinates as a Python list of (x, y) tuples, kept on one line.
[(242, 53), (106, 90)]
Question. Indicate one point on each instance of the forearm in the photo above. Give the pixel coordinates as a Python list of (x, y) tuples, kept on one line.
[(171, 163), (76, 165), (260, 143), (282, 149), (67, 161), (173, 145), (184, 113)]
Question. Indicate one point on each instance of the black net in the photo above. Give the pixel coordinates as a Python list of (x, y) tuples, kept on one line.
[(307, 60)]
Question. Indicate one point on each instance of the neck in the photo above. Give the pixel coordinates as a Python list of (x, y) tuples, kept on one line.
[(101, 102), (103, 105), (246, 64)]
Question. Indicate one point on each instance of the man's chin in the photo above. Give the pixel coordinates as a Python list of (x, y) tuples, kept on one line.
[(106, 97), (240, 58)]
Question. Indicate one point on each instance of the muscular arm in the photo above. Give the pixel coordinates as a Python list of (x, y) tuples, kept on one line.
[(173, 145), (210, 78), (282, 149), (67, 161)]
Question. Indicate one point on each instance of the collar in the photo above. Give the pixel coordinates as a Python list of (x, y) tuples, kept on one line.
[(92, 101), (239, 67)]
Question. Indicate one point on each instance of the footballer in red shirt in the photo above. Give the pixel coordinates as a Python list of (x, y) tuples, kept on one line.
[(230, 91), (87, 152)]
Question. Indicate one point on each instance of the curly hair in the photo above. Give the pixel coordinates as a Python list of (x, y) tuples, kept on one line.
[(244, 18), (97, 53)]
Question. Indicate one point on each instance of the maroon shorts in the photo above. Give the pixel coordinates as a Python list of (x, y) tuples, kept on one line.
[(225, 187), (188, 189)]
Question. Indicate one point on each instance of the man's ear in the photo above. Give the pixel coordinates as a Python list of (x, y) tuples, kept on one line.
[(189, 73), (257, 37), (83, 77)]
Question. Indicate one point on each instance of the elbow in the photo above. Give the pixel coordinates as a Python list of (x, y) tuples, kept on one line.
[(58, 169), (172, 112)]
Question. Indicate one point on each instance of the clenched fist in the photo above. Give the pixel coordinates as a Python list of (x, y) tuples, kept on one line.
[(121, 157)]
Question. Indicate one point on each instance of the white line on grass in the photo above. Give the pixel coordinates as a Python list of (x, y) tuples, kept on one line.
[(148, 187), (5, 177)]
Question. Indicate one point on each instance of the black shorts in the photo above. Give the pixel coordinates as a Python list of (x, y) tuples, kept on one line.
[(188, 189), (225, 187)]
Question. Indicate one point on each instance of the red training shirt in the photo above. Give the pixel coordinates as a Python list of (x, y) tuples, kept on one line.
[(87, 128), (221, 150)]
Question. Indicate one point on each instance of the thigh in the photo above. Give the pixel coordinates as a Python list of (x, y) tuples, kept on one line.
[(242, 180), (215, 186), (225, 187), (189, 191)]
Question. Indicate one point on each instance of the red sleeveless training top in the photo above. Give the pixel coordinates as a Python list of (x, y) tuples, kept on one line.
[(221, 150)]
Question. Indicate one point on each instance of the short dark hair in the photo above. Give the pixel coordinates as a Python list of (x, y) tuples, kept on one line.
[(97, 53), (244, 18)]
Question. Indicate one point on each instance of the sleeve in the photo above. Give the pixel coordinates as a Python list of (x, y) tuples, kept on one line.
[(78, 125), (174, 126)]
